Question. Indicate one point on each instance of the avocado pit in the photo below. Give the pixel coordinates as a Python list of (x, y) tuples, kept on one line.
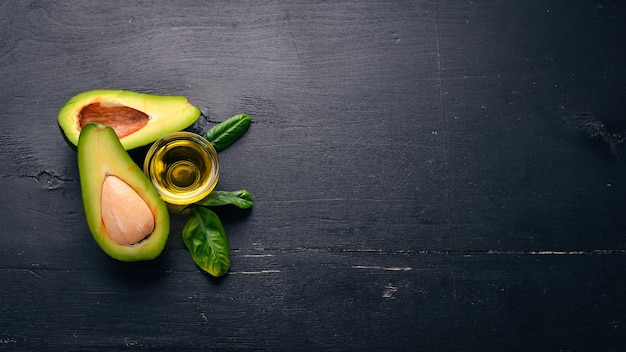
[(125, 215), (123, 119)]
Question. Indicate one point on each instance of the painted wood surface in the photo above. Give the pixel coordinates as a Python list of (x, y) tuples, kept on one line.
[(427, 175)]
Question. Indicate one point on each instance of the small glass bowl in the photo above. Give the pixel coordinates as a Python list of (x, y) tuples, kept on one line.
[(183, 167)]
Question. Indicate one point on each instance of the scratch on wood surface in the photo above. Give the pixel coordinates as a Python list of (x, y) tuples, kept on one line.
[(205, 320), (389, 291), (131, 342), (388, 268), (257, 255), (7, 340), (269, 271), (50, 180), (35, 274), (558, 252)]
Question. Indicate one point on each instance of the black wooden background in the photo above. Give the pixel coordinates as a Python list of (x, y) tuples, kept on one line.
[(427, 175)]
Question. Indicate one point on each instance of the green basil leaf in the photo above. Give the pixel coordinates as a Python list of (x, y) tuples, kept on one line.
[(241, 199), (206, 240), (228, 131)]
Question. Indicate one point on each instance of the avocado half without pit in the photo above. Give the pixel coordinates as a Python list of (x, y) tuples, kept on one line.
[(138, 119), (124, 212)]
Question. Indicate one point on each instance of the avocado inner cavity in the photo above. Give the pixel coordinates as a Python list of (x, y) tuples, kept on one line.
[(126, 216), (123, 119)]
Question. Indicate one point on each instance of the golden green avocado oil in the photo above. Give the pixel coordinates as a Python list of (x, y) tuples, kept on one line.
[(183, 167)]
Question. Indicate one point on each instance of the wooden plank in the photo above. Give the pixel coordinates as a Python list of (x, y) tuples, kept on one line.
[(316, 299)]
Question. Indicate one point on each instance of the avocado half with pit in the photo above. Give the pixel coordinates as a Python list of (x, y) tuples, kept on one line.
[(124, 212), (138, 119)]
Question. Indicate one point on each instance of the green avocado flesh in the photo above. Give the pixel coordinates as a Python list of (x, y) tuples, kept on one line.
[(124, 212), (137, 118)]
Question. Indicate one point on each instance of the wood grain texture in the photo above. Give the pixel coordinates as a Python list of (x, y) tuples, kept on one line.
[(426, 175)]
